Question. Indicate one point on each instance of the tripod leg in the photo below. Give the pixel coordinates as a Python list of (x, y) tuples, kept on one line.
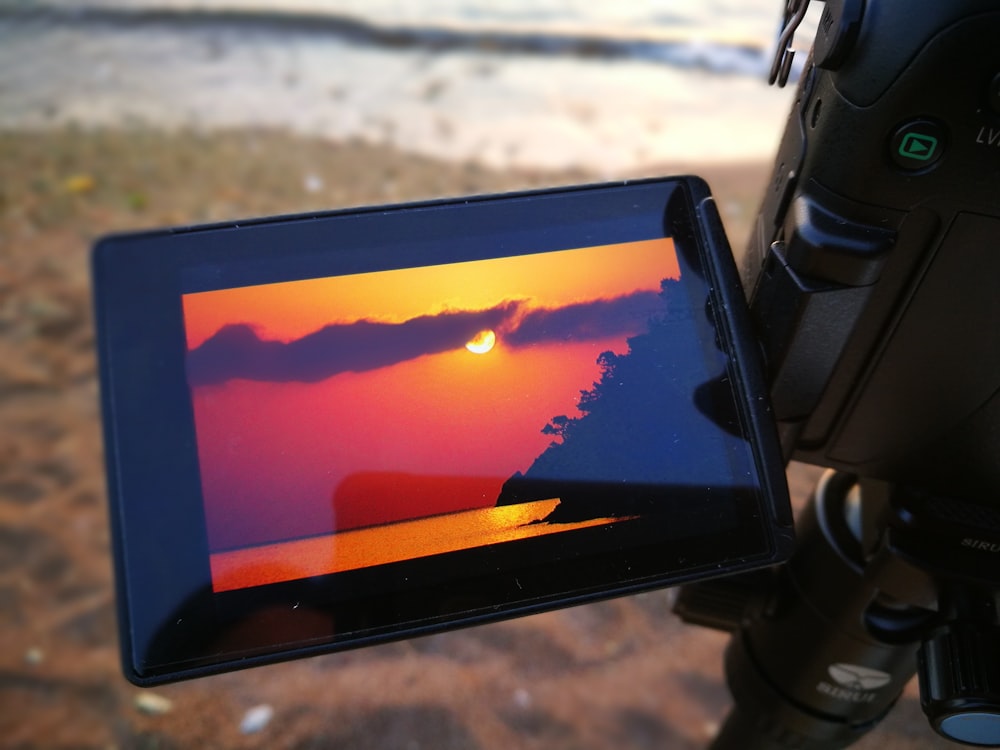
[(804, 671), (743, 730), (764, 718)]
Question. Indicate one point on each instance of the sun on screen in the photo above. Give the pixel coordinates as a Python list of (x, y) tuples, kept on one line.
[(482, 342)]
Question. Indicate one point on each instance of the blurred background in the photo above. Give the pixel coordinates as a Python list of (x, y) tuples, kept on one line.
[(125, 114)]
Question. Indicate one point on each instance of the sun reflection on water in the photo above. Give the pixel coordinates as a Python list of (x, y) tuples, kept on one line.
[(379, 545)]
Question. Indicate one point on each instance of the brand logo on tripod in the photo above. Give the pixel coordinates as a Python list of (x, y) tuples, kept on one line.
[(979, 544), (854, 683)]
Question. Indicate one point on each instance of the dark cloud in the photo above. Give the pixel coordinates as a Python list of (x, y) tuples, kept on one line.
[(587, 320), (236, 351)]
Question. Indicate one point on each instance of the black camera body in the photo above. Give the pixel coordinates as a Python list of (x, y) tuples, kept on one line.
[(870, 276), (871, 269)]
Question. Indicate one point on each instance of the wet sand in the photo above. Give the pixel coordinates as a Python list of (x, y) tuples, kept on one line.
[(623, 673)]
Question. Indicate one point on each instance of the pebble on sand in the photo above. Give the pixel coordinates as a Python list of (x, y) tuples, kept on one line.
[(34, 656), (256, 718), (152, 704)]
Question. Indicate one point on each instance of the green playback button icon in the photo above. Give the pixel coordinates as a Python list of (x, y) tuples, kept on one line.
[(917, 145)]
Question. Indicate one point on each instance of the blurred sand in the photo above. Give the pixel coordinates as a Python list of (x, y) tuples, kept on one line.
[(624, 673)]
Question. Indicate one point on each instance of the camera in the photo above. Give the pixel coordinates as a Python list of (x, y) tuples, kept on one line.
[(869, 277), (621, 393)]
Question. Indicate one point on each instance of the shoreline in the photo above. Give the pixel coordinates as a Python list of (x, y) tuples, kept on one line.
[(523, 101), (737, 54), (643, 27)]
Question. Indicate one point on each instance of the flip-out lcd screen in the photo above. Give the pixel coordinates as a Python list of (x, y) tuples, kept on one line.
[(327, 431), (352, 421)]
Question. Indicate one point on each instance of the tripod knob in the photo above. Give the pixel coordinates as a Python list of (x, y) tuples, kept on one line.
[(959, 669)]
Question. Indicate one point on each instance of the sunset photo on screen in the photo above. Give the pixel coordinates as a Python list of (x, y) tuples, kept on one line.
[(357, 420)]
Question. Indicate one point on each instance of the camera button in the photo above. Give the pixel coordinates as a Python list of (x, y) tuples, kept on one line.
[(994, 95), (917, 145)]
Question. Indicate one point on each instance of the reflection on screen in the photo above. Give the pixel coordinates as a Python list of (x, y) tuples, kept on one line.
[(352, 421)]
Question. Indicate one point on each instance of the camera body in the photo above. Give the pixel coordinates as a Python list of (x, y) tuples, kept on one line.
[(870, 279), (870, 272)]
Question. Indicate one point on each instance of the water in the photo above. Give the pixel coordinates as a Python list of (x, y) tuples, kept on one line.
[(388, 543), (607, 87)]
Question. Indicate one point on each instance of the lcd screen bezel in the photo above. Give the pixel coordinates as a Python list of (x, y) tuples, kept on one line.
[(172, 624)]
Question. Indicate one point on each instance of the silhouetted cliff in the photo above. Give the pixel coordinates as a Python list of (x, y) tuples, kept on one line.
[(640, 428)]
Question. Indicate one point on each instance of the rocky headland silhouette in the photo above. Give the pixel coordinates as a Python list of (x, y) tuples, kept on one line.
[(635, 432)]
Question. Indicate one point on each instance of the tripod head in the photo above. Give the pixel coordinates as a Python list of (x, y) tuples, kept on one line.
[(871, 278)]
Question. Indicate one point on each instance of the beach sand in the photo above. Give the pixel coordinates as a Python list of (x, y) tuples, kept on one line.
[(623, 673)]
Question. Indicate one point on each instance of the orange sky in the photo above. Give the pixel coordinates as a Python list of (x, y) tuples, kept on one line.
[(272, 454), (292, 309)]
